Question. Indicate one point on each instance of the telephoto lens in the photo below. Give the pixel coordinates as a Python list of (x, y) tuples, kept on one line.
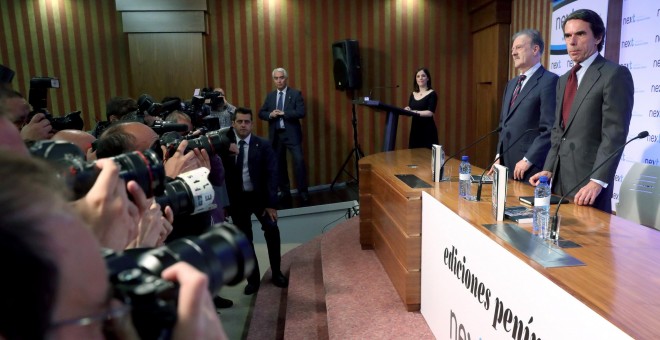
[(224, 254), (213, 142), (143, 167), (189, 194)]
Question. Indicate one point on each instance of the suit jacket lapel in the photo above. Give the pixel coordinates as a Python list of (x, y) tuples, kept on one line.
[(588, 80), (531, 84), (511, 86)]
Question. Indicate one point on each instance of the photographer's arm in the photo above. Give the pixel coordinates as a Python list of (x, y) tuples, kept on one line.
[(196, 315)]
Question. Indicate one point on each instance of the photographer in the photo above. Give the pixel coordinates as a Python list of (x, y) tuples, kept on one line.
[(133, 136), (217, 175), (221, 108), (179, 117), (17, 110), (63, 289), (10, 138), (113, 218), (115, 109), (83, 140)]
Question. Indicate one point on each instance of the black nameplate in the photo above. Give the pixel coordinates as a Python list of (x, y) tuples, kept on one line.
[(413, 181)]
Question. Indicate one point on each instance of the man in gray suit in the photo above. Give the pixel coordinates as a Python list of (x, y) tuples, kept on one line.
[(528, 103), (594, 107)]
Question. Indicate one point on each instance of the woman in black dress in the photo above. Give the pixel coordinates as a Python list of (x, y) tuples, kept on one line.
[(423, 100)]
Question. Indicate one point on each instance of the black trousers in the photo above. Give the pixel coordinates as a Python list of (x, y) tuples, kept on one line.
[(241, 210)]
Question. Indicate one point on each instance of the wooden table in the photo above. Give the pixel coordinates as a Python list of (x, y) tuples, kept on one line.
[(621, 279)]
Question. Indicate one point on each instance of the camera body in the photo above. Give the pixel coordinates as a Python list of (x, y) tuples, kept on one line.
[(224, 254), (72, 121), (147, 105), (38, 98)]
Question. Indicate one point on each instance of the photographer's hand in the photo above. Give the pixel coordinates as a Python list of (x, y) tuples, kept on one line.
[(196, 315), (167, 220), (37, 129), (202, 158), (152, 224), (180, 163), (106, 208)]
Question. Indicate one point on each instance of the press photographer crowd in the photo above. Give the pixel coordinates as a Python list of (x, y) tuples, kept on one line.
[(129, 230)]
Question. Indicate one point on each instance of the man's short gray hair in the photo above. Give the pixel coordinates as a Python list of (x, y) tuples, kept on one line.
[(280, 69)]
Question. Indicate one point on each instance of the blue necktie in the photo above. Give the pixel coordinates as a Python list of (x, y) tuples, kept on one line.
[(280, 106), (280, 100)]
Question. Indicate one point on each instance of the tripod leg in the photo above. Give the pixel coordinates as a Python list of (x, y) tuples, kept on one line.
[(343, 168)]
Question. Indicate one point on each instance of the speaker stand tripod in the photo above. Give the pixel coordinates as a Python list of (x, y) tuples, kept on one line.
[(356, 153)]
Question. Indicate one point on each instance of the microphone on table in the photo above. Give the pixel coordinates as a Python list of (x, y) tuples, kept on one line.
[(481, 179), (553, 226), (381, 87), (442, 167)]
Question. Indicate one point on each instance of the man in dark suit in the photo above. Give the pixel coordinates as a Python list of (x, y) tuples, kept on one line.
[(528, 103), (251, 178), (594, 107), (283, 110)]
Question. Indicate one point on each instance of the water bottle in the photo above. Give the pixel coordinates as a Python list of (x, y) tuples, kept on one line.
[(464, 180), (541, 208)]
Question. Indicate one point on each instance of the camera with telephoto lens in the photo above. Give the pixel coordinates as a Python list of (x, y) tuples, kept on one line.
[(143, 167), (147, 105), (188, 194), (150, 112), (213, 142), (224, 254)]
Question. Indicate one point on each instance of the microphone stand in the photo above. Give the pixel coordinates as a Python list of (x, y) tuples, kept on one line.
[(481, 179), (554, 226), (442, 167)]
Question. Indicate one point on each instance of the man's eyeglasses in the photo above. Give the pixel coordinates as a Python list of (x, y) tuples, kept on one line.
[(115, 321)]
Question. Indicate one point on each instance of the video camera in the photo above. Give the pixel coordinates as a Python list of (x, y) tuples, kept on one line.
[(224, 254), (38, 98), (188, 194), (201, 105), (147, 105), (150, 113)]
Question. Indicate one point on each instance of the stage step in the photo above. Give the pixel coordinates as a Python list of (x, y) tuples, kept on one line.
[(336, 291), (305, 305)]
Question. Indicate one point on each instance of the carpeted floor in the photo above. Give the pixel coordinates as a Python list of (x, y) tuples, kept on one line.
[(337, 291)]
